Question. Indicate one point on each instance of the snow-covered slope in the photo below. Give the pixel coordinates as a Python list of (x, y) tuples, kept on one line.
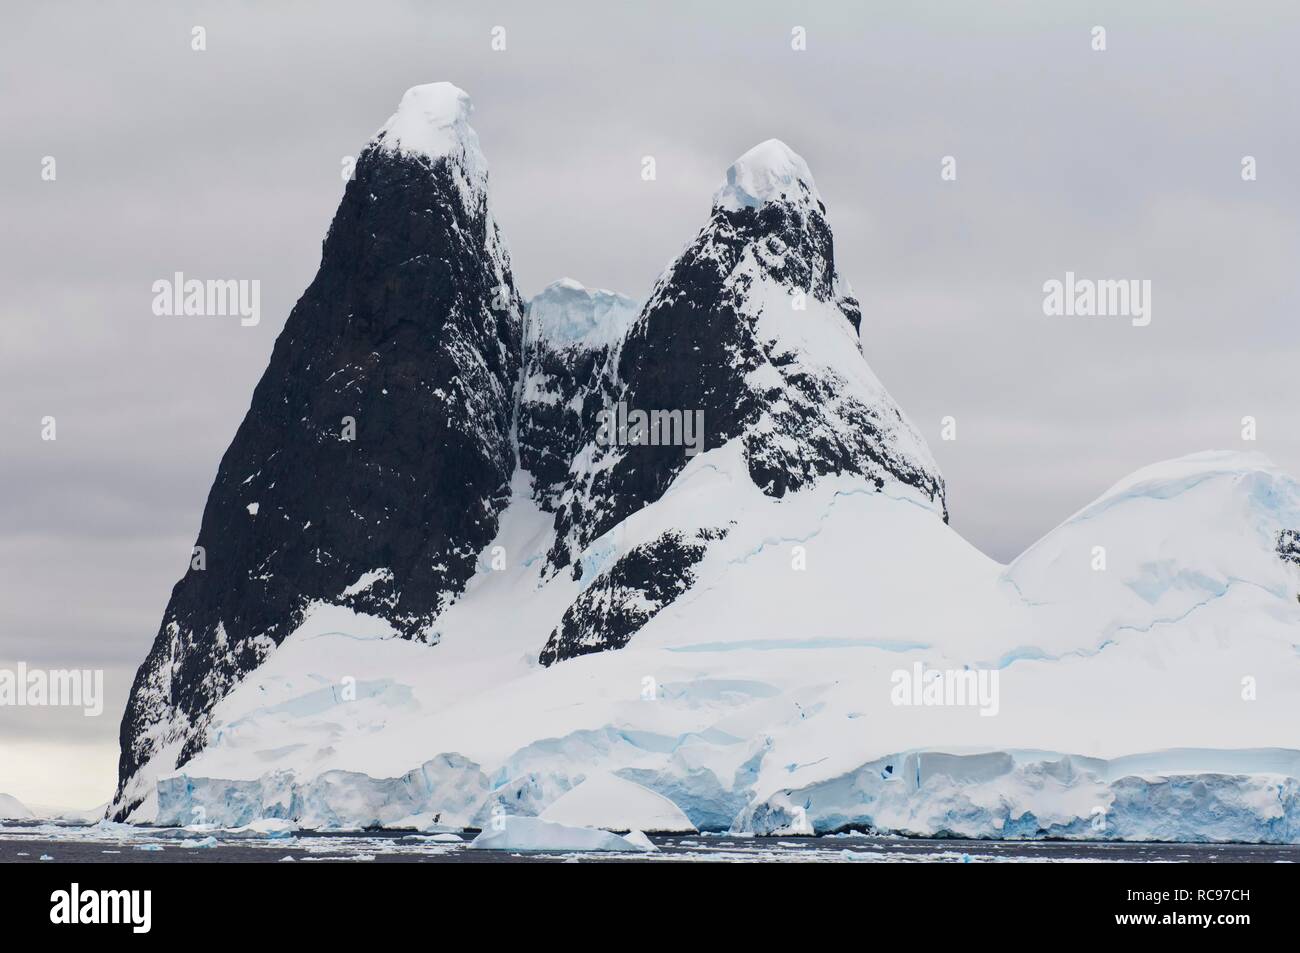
[(764, 699), (761, 632), (1165, 542)]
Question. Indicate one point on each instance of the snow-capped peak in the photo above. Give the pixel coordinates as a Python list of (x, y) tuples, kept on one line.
[(566, 312), (768, 172), (433, 121)]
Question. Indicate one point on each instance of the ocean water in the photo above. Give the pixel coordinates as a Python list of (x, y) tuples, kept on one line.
[(113, 844)]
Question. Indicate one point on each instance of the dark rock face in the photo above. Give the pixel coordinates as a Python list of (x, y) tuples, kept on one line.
[(571, 336), (1288, 546), (627, 596), (702, 343), (551, 432), (411, 330)]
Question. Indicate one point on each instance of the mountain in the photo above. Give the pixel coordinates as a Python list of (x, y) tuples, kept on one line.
[(690, 548), (753, 329), (376, 454), (753, 336)]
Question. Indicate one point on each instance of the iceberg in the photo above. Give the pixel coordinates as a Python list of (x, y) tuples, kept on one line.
[(12, 809), (535, 834), (607, 801)]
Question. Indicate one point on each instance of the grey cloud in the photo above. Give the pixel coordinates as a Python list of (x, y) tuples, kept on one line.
[(226, 163)]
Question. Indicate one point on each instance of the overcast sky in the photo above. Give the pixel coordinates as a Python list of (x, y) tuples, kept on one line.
[(226, 163)]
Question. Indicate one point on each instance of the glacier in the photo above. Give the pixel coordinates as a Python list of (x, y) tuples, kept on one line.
[(757, 715)]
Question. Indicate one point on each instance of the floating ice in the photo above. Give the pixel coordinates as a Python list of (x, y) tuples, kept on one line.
[(11, 809), (604, 800), (534, 834)]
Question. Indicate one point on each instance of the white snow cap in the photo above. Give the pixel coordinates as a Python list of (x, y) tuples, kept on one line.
[(565, 313), (433, 121), (769, 171)]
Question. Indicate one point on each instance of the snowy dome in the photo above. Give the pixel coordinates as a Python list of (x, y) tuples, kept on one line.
[(1171, 539), (607, 801), (1166, 479), (566, 313), (433, 121), (768, 172), (13, 809)]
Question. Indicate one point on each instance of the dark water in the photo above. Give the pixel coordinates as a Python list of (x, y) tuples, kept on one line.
[(93, 845)]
